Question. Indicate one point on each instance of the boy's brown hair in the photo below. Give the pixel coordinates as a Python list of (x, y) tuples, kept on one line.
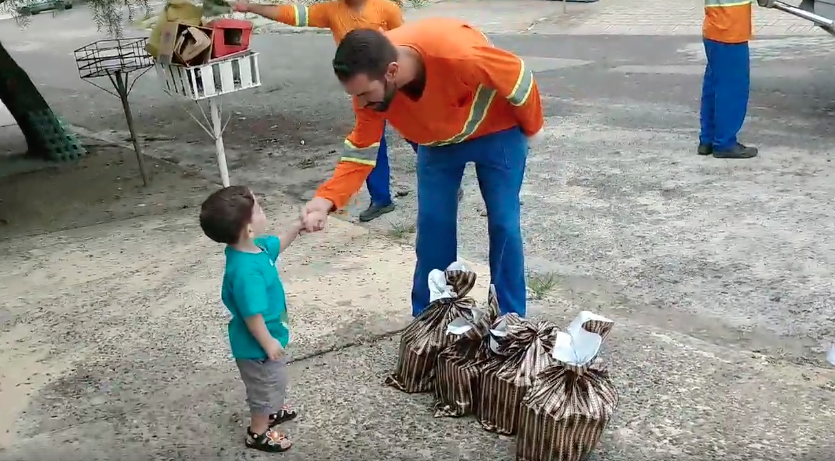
[(226, 213)]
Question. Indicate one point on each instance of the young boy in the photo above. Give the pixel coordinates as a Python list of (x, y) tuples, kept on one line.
[(341, 17), (253, 293)]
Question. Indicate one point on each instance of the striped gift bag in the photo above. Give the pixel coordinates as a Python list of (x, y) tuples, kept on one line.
[(459, 366), (427, 336), (565, 412), (521, 352)]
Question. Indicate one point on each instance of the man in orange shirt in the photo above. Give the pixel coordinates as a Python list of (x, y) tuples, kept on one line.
[(441, 83), (726, 32), (341, 17)]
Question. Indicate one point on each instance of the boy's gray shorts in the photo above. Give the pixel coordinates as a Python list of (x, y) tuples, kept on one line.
[(266, 384)]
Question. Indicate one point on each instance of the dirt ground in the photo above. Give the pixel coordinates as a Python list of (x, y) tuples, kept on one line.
[(102, 187), (45, 198)]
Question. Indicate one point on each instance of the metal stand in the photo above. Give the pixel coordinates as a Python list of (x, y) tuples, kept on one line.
[(116, 59), (208, 82)]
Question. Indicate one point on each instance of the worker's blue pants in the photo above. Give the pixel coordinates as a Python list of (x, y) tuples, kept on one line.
[(500, 167), (724, 93), (379, 181)]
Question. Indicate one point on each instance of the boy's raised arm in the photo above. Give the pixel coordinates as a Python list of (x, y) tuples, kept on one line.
[(287, 237), (274, 245), (315, 15)]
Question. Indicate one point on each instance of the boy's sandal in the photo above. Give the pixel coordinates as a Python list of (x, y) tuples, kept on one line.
[(282, 416), (271, 441)]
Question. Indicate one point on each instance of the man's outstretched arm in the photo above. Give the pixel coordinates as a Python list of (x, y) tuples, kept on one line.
[(315, 15), (359, 157)]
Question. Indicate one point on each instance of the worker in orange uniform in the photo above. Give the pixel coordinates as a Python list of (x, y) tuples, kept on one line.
[(726, 32), (341, 17), (441, 83)]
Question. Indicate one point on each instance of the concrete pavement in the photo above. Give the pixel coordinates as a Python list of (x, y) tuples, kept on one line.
[(659, 17), (6, 118), (125, 356)]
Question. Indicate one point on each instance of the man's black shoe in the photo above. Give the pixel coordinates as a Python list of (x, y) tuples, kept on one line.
[(738, 151), (375, 211)]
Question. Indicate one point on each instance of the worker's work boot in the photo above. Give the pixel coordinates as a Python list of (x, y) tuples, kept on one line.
[(705, 149), (738, 151), (375, 211)]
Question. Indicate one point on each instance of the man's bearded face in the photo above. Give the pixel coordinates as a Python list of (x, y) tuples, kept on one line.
[(376, 94)]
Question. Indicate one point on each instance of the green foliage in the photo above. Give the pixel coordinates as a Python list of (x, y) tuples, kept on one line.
[(110, 15), (540, 285)]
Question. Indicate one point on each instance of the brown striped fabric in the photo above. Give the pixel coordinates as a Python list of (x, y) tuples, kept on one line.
[(508, 374), (459, 366), (567, 409), (426, 336), (457, 380)]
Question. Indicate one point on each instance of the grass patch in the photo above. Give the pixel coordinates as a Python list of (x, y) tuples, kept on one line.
[(540, 284), (401, 229)]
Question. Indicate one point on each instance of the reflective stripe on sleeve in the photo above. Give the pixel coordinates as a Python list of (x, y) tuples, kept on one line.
[(523, 87), (301, 15), (361, 155), (726, 3)]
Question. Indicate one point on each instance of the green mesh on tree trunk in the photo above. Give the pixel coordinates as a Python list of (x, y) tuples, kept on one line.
[(58, 143)]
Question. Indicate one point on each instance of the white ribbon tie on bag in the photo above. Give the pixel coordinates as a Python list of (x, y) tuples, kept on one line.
[(578, 347), (438, 288), (499, 332), (461, 326)]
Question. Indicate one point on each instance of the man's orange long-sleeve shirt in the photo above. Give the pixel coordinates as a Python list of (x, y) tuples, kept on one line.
[(340, 18), (472, 89)]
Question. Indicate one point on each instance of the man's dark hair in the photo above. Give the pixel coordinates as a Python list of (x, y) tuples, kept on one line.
[(363, 51), (225, 214)]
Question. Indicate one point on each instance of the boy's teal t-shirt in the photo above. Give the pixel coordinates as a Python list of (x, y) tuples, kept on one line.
[(250, 287)]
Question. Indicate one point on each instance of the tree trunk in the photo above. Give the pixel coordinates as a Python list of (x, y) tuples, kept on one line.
[(46, 136)]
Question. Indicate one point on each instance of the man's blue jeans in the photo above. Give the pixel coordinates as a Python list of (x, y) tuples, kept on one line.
[(500, 167), (725, 90), (379, 181)]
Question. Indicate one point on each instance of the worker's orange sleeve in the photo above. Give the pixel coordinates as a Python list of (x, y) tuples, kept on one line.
[(358, 158), (315, 15), (394, 16), (507, 74)]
